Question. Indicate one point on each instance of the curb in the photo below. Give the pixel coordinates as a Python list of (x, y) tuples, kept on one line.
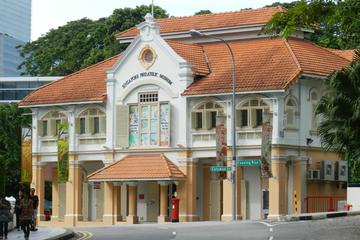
[(64, 236), (316, 216)]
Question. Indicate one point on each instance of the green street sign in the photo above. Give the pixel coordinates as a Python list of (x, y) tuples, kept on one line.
[(220, 169), (248, 163)]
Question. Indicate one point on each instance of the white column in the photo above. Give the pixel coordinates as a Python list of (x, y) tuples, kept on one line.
[(110, 111)]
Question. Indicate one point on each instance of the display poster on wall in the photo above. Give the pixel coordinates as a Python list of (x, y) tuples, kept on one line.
[(26, 155), (221, 145), (164, 124), (266, 142), (133, 125), (63, 152)]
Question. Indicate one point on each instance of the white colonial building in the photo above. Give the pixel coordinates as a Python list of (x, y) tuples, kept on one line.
[(142, 124)]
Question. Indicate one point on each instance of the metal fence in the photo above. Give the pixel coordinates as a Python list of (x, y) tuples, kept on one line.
[(323, 203)]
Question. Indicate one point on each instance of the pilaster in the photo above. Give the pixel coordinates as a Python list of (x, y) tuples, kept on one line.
[(278, 189), (38, 183), (73, 212), (55, 197)]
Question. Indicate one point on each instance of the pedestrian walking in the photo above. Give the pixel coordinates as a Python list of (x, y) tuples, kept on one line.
[(26, 214), (17, 209), (35, 200), (5, 216)]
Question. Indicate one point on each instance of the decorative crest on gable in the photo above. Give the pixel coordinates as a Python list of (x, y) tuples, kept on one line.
[(149, 28)]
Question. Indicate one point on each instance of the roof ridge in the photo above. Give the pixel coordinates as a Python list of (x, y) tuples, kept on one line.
[(72, 74), (333, 49), (166, 163), (106, 167), (293, 55)]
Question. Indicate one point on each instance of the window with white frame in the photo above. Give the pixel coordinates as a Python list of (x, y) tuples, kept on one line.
[(252, 113), (149, 121), (48, 126), (314, 101), (290, 113), (204, 116), (91, 122)]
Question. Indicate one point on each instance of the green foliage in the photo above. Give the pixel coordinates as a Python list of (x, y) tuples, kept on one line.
[(339, 110), (11, 121), (202, 12), (81, 43), (284, 4), (336, 24)]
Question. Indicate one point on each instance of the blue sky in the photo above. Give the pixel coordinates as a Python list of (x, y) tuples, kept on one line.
[(48, 14)]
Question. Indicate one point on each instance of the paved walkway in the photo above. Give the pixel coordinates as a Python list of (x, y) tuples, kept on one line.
[(41, 234)]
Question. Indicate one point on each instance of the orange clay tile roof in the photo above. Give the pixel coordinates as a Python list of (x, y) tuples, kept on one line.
[(86, 85), (139, 167), (347, 54), (193, 54), (211, 21), (263, 64)]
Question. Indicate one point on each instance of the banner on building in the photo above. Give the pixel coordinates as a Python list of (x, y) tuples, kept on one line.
[(221, 144), (266, 142), (26, 155), (63, 152)]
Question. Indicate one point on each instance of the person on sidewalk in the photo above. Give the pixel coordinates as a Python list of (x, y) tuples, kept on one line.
[(35, 200), (26, 213), (4, 216), (17, 209)]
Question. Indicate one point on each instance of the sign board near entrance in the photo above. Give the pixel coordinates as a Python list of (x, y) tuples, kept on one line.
[(248, 163), (220, 169)]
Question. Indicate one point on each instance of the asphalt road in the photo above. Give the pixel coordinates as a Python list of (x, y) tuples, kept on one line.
[(347, 228)]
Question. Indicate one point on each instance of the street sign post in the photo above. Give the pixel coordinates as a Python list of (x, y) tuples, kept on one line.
[(220, 169), (248, 163)]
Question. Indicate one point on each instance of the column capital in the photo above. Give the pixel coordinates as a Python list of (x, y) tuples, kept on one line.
[(163, 183), (131, 184)]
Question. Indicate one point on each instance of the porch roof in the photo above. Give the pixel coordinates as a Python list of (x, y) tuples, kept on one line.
[(144, 167)]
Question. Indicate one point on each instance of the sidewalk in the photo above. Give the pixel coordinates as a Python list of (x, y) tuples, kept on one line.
[(315, 216), (43, 233)]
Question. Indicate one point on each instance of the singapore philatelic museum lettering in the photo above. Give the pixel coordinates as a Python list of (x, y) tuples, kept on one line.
[(146, 74)]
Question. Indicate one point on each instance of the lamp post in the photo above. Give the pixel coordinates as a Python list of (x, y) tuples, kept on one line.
[(196, 33)]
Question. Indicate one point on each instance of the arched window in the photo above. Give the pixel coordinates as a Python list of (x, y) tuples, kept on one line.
[(48, 125), (290, 113), (204, 116), (252, 113), (314, 101), (91, 121)]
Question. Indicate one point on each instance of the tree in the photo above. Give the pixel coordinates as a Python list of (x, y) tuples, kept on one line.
[(202, 12), (336, 24), (80, 43), (339, 110), (283, 4), (11, 121)]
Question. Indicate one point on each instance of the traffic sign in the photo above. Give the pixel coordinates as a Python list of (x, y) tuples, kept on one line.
[(220, 169), (248, 163)]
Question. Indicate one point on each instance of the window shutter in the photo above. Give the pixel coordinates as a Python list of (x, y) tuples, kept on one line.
[(122, 126), (253, 117), (238, 118), (266, 115), (102, 121), (207, 120), (77, 125), (52, 127), (194, 120), (313, 118), (90, 125), (40, 128), (290, 117)]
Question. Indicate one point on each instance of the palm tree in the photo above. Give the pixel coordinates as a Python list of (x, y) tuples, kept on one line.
[(339, 111)]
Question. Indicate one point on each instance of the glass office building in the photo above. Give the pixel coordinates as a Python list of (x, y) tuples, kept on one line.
[(13, 89)]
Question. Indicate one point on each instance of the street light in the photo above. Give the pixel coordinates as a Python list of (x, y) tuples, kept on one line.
[(196, 33)]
